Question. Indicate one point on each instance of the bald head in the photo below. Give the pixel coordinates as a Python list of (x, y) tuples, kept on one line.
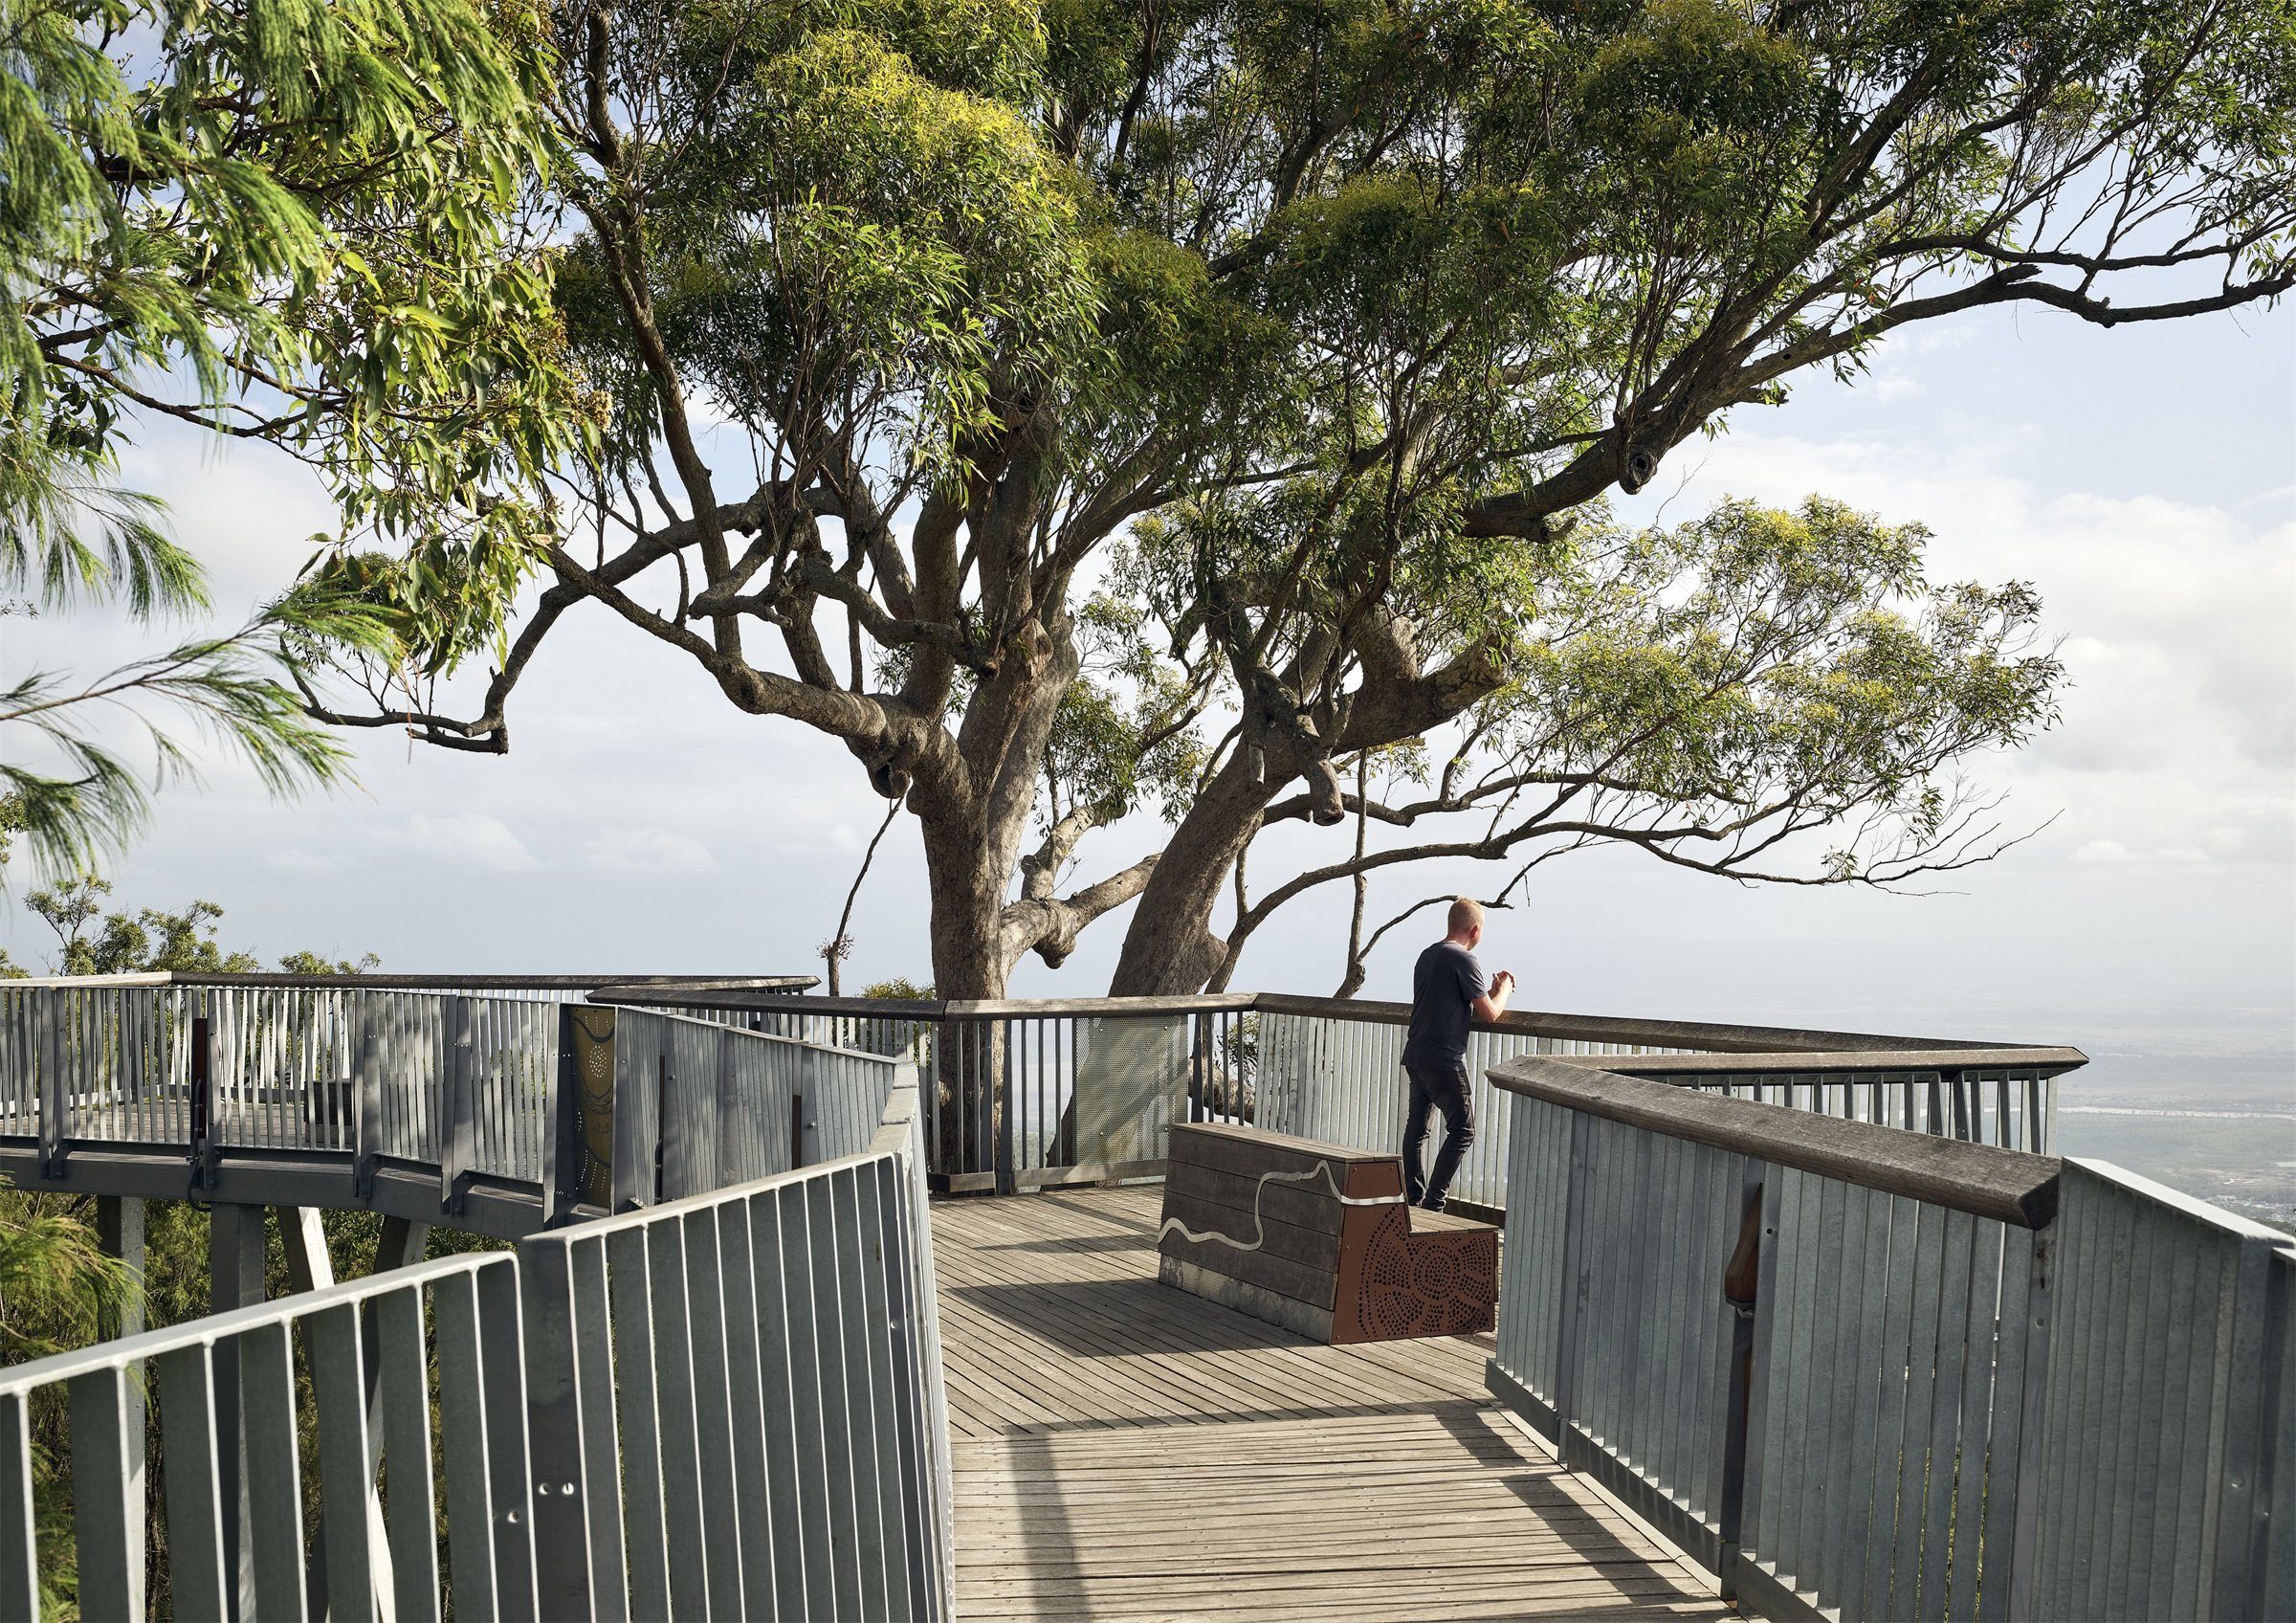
[(1466, 919)]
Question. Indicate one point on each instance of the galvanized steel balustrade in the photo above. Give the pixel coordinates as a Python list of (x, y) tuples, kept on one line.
[(1340, 1079), (229, 1415), (1036, 1093), (747, 1400), (2168, 1428), (1864, 1374), (727, 1404), (715, 1104), (276, 1086)]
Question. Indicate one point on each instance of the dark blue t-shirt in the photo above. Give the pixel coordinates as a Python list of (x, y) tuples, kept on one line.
[(1444, 985)]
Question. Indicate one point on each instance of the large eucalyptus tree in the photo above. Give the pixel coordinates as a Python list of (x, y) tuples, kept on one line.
[(1076, 405)]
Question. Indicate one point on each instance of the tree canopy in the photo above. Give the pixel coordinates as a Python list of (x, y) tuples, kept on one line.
[(1078, 405)]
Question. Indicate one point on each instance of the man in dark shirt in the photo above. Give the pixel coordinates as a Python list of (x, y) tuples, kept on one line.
[(1447, 994)]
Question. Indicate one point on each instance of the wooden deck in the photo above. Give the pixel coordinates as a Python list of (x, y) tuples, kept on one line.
[(1126, 1449)]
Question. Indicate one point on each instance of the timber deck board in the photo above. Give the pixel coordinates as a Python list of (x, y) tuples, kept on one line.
[(1126, 1449)]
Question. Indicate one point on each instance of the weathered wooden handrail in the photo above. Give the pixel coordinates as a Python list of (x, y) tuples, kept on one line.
[(1773, 1062), (1688, 1035), (379, 982), (1692, 1036), (2008, 1185)]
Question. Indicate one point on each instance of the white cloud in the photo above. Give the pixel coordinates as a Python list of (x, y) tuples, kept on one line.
[(648, 851), (470, 838), (2173, 620), (292, 861), (2113, 851)]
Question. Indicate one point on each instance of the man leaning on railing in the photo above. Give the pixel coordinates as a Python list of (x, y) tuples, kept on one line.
[(1448, 994)]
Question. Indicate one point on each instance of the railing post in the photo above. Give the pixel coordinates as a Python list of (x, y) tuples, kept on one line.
[(2245, 1496), (1741, 1290), (2024, 1559), (724, 1147), (592, 1111), (55, 1047), (119, 1232), (1000, 1104), (1200, 1067), (562, 1146), (1571, 1279), (203, 1103), (234, 1279), (562, 1515), (457, 1123), (366, 1102)]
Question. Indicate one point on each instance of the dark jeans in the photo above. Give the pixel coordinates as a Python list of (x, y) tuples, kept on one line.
[(1444, 1088)]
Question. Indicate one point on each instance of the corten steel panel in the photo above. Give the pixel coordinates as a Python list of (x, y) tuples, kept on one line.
[(1394, 1284)]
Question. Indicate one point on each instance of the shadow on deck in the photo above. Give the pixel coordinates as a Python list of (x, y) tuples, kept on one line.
[(1126, 1449)]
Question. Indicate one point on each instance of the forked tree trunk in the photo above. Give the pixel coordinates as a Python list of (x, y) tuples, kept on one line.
[(1170, 949)]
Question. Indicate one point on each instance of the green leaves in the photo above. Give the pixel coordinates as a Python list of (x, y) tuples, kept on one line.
[(289, 220), (1756, 657), (239, 689)]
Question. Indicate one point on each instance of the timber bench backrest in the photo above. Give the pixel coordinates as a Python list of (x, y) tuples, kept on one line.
[(1317, 1237)]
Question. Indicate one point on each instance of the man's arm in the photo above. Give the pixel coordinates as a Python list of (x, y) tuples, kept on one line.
[(1493, 1003)]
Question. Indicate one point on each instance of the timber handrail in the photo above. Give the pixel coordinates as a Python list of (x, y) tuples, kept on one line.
[(1706, 1035), (778, 985), (952, 1007), (2053, 1059), (2009, 1186), (1710, 1035)]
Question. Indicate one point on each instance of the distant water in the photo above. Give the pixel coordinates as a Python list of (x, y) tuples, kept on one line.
[(2219, 1126)]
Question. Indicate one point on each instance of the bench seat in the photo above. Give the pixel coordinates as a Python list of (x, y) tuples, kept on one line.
[(1317, 1237)]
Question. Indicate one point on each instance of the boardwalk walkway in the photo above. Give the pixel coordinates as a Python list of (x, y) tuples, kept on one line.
[(1124, 1450)]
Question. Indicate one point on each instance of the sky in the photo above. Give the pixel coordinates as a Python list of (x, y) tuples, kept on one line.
[(2144, 478)]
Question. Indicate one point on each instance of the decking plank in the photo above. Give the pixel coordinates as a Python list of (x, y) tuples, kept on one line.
[(1124, 1450)]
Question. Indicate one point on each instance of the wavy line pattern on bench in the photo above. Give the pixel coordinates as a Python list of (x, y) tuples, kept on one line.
[(1322, 1168)]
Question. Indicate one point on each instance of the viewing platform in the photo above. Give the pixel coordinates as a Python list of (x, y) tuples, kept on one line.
[(1125, 1450), (821, 1308)]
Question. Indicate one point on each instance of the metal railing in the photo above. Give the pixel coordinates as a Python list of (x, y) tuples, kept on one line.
[(1864, 1375), (1033, 1093), (2167, 1428), (269, 1085), (716, 1104), (725, 1405)]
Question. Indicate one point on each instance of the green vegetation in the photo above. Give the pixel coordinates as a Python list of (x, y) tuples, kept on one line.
[(288, 223), (1085, 407)]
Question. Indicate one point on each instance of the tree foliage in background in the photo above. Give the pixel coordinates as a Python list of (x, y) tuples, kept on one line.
[(91, 941), (58, 1291), (289, 222), (1089, 405)]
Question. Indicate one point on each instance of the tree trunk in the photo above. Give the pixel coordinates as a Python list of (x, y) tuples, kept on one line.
[(1170, 949), (968, 962)]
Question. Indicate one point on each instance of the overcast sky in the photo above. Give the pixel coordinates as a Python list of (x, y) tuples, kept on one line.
[(2144, 478)]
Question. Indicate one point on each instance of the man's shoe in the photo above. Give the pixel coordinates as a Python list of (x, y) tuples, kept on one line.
[(1434, 1204)]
